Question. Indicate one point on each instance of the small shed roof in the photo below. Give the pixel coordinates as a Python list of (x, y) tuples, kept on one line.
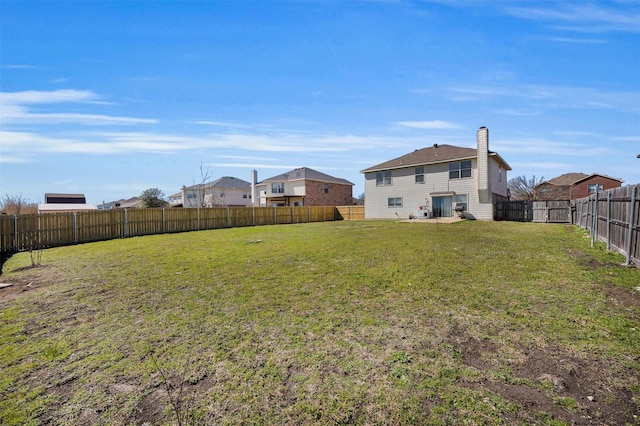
[(64, 207)]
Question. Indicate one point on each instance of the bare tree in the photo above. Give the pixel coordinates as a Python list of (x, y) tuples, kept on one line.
[(523, 188), (205, 175), (17, 204)]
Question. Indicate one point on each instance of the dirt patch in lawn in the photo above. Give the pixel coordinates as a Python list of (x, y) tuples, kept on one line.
[(553, 383), (30, 279)]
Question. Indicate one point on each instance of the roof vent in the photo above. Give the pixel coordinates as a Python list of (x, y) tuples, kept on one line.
[(435, 145)]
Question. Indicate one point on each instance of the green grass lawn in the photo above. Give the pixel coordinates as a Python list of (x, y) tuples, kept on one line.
[(324, 323)]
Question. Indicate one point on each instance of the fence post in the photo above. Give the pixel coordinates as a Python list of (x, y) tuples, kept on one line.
[(594, 215), (228, 218), (15, 232), (546, 212), (632, 210), (75, 227), (275, 216), (253, 214), (163, 220), (608, 220), (126, 224)]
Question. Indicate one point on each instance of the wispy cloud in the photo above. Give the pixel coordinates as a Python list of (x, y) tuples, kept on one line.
[(540, 96), (546, 147), (576, 40), (17, 108), (433, 124), (587, 17), (44, 97), (18, 66), (29, 144)]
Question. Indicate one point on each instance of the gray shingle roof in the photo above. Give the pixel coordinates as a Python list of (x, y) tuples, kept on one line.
[(227, 182), (432, 155), (307, 173), (567, 179), (574, 178)]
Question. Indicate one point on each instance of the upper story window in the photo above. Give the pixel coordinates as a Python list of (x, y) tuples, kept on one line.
[(595, 187), (383, 178), (191, 195), (326, 188), (277, 188), (460, 169), (419, 175)]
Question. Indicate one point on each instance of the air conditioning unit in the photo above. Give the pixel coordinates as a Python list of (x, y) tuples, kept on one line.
[(423, 212)]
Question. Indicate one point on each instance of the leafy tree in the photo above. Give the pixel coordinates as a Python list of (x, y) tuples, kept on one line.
[(17, 204), (153, 197), (523, 188)]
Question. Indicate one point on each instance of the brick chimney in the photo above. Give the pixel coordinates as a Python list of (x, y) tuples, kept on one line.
[(484, 186)]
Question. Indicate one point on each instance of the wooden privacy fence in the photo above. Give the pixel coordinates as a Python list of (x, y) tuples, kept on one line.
[(613, 216), (38, 231), (534, 211), (351, 212)]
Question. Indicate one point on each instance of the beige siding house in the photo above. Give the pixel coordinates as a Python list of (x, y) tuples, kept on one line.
[(226, 191), (439, 181)]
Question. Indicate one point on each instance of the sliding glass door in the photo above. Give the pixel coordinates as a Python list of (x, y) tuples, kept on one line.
[(442, 206)]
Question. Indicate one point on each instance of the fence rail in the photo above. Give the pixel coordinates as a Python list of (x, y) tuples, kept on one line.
[(39, 231), (613, 216)]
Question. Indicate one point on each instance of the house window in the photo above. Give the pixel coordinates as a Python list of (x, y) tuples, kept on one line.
[(326, 188), (461, 201), (500, 174), (460, 169), (383, 178), (277, 188), (244, 195), (191, 195), (419, 175), (595, 187), (394, 202)]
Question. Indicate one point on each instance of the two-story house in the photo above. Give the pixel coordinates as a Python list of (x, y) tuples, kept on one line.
[(226, 191), (303, 187), (438, 181), (572, 186)]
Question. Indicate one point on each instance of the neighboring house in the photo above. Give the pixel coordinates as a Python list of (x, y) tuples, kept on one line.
[(303, 187), (572, 186), (438, 182), (227, 191), (60, 203), (130, 203), (175, 200)]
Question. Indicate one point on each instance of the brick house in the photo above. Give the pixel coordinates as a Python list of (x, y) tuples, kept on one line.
[(572, 186), (302, 187)]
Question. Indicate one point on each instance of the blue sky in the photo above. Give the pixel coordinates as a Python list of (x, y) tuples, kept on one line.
[(111, 98)]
